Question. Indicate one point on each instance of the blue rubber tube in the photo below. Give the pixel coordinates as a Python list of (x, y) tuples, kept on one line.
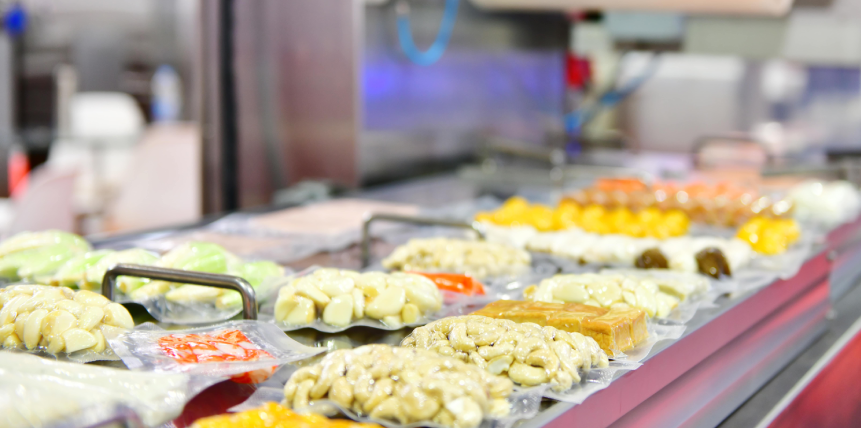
[(435, 51)]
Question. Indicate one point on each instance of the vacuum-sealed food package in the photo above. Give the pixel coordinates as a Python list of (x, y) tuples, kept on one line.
[(35, 256), (656, 295), (185, 303), (530, 355), (709, 255), (769, 236), (399, 386), (826, 204), (39, 389), (95, 264), (274, 414), (204, 257), (298, 232), (615, 330), (60, 321), (455, 283), (648, 237), (331, 300), (650, 222), (73, 273), (63, 259), (245, 351), (721, 204), (479, 259)]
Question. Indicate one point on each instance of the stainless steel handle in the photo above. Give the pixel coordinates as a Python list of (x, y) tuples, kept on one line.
[(366, 229), (229, 282)]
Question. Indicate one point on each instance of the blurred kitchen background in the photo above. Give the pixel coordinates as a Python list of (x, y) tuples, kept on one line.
[(119, 116)]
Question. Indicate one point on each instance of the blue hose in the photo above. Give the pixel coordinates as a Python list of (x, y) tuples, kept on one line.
[(575, 120), (435, 51)]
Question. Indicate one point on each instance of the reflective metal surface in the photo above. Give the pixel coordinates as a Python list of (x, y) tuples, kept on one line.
[(228, 282), (425, 221)]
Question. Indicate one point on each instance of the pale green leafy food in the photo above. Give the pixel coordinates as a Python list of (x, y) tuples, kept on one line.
[(126, 284), (65, 259), (31, 240), (74, 271), (36, 255), (210, 258), (255, 273)]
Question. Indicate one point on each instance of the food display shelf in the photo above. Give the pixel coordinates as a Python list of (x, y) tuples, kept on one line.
[(727, 353)]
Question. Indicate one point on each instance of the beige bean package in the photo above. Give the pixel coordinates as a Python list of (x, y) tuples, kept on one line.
[(58, 319), (339, 297), (402, 385), (529, 354), (479, 259)]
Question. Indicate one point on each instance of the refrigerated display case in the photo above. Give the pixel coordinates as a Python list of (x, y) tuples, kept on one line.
[(729, 355)]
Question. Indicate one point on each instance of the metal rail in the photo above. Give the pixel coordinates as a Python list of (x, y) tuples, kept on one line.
[(366, 229), (228, 282)]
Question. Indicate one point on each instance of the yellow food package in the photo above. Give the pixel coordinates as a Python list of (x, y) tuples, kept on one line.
[(274, 415)]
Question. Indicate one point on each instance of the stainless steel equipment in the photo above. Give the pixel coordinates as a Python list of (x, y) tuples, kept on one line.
[(366, 229), (228, 282), (324, 91)]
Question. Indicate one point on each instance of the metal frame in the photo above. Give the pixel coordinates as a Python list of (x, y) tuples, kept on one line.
[(845, 252), (814, 371), (228, 120), (366, 229), (228, 282)]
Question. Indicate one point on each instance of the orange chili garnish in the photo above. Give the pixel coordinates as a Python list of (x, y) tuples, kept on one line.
[(455, 282), (623, 184), (223, 346)]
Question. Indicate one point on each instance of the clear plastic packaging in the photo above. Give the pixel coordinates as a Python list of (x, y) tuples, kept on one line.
[(191, 313), (750, 280), (272, 414), (246, 351), (707, 292), (598, 379), (195, 304), (464, 391), (480, 259), (35, 256), (247, 247), (524, 403), (826, 204), (573, 252), (96, 415), (182, 313), (545, 359), (544, 250), (40, 390), (430, 302), (642, 290), (787, 264), (340, 220), (60, 322)]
